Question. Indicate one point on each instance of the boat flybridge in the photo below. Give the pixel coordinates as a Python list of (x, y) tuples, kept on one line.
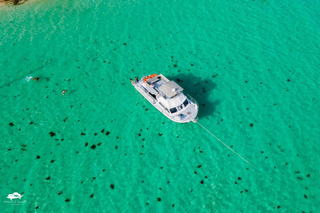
[(167, 97)]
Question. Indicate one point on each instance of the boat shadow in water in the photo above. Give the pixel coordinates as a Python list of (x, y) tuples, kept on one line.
[(199, 88)]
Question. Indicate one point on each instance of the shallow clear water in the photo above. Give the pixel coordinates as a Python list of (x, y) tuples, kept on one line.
[(252, 66)]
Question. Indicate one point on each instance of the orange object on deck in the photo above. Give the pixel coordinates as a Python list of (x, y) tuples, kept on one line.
[(150, 76)]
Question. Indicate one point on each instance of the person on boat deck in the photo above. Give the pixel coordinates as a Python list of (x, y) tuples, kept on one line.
[(132, 82)]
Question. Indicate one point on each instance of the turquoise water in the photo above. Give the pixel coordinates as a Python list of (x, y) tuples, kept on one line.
[(251, 65)]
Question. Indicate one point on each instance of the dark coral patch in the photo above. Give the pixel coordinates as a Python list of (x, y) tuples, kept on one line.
[(52, 134), (93, 146), (38, 157), (82, 133), (11, 124), (60, 193), (107, 133), (67, 200), (48, 178), (251, 124), (91, 195), (86, 144), (112, 186), (159, 199), (201, 181)]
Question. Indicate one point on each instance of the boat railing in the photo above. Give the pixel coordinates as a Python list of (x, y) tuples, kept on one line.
[(193, 100), (197, 106), (163, 106), (148, 93), (144, 89)]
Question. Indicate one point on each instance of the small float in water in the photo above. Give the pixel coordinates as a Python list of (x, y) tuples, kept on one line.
[(167, 97)]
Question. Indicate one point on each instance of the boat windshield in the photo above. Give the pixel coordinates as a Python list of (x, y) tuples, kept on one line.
[(173, 110), (185, 103)]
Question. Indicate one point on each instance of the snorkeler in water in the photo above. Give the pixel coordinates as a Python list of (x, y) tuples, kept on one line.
[(36, 79)]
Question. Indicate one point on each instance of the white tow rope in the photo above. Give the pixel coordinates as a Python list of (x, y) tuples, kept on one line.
[(227, 146), (234, 151)]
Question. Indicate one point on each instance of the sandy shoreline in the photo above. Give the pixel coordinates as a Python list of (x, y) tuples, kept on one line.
[(12, 2)]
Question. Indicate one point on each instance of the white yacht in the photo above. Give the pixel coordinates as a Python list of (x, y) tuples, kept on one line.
[(167, 97)]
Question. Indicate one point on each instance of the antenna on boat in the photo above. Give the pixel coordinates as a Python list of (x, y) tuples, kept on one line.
[(233, 150), (175, 90)]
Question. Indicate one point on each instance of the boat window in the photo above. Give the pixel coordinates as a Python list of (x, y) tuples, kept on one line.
[(180, 107), (185, 103), (173, 110), (153, 95)]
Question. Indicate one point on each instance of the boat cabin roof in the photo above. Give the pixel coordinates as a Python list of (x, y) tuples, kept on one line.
[(170, 89)]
